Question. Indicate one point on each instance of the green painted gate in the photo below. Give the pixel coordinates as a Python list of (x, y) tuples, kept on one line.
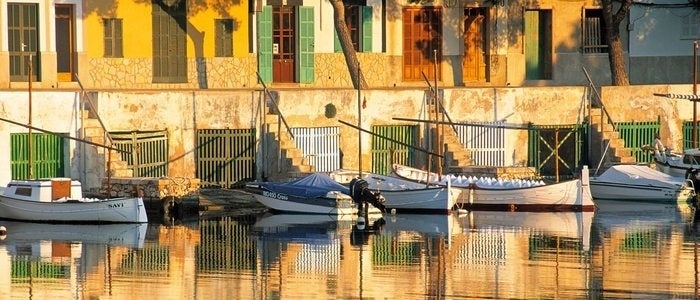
[(557, 149), (146, 152), (48, 152), (385, 152), (688, 135), (637, 134), (225, 157)]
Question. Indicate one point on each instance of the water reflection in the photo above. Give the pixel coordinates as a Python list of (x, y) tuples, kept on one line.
[(623, 250)]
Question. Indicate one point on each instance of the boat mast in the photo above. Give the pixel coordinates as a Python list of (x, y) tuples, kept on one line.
[(29, 122), (359, 122)]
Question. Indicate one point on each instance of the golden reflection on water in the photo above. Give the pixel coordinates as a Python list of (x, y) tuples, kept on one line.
[(623, 250)]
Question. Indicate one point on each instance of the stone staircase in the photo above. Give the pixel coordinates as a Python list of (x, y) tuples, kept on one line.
[(96, 158), (283, 160), (604, 136), (456, 157)]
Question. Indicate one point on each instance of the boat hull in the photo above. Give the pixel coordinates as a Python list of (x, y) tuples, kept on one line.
[(341, 205), (569, 195), (116, 210), (427, 200), (618, 191)]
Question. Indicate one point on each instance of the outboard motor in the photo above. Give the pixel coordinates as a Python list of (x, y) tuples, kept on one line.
[(362, 195), (692, 175)]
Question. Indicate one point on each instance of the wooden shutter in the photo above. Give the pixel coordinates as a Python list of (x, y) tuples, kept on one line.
[(265, 44), (306, 44), (366, 28)]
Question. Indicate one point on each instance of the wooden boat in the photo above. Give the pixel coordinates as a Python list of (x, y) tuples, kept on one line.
[(61, 200), (641, 183), (402, 195), (498, 194), (313, 194)]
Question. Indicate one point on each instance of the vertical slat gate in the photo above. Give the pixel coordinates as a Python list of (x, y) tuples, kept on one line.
[(320, 146), (486, 143), (688, 135), (637, 134), (225, 157), (385, 152), (146, 151), (47, 155)]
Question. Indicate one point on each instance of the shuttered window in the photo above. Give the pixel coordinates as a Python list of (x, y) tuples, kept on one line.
[(113, 37), (594, 32), (224, 37), (358, 19)]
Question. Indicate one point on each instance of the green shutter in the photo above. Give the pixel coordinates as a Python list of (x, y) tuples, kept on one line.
[(265, 44), (306, 44), (336, 41), (366, 29)]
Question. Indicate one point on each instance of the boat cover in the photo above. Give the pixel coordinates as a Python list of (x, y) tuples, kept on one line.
[(639, 175), (312, 186)]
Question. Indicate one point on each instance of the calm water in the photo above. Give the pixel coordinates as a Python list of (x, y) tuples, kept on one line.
[(623, 250)]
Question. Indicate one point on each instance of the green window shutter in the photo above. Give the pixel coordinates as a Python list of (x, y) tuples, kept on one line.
[(265, 46), (366, 29), (336, 41), (306, 44)]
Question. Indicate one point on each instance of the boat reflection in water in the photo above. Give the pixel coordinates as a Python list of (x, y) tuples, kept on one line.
[(623, 250), (52, 261)]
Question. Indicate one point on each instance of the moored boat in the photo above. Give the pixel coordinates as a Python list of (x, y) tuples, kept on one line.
[(314, 194), (404, 195), (499, 194), (61, 200), (641, 183)]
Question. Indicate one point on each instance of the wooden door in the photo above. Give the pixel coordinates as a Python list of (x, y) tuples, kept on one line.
[(475, 45), (283, 47), (422, 43), (64, 42)]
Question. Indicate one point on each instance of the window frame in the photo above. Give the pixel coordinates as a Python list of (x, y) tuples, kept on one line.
[(588, 22), (113, 37), (223, 37)]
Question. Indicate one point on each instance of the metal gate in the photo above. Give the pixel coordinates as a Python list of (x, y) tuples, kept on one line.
[(486, 143), (320, 146), (47, 155), (385, 152), (637, 134), (225, 157), (557, 150), (146, 152)]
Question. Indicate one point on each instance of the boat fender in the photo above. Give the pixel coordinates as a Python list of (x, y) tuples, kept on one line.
[(3, 232)]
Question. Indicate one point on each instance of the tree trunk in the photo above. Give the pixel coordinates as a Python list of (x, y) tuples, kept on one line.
[(346, 43), (618, 69)]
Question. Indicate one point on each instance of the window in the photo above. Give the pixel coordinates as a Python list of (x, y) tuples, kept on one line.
[(23, 41), (358, 19), (594, 35), (690, 26), (224, 37), (113, 38)]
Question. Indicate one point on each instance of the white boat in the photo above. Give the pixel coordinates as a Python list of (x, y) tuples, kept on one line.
[(511, 195), (640, 183), (61, 200), (313, 194), (402, 195), (677, 164)]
